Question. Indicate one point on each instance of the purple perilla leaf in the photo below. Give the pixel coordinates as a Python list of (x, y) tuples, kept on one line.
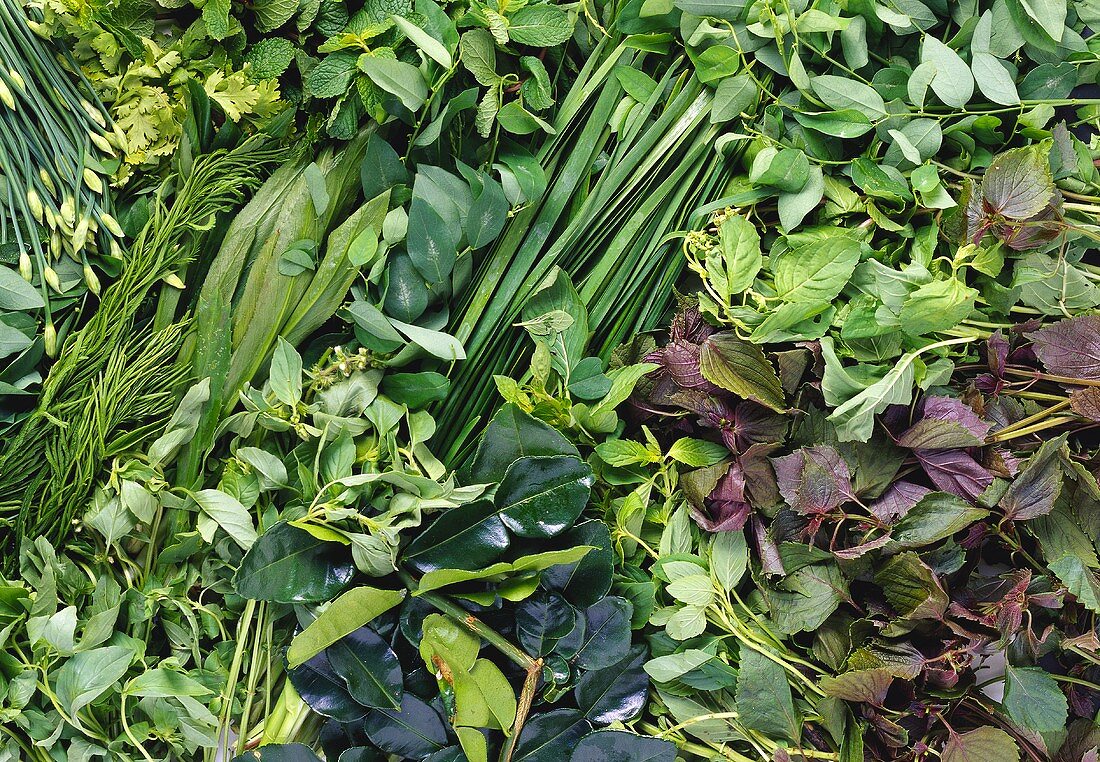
[(897, 500), (741, 425), (1034, 491), (1018, 184), (955, 471), (948, 423), (1070, 347), (1034, 232), (1086, 403), (813, 479), (996, 353)]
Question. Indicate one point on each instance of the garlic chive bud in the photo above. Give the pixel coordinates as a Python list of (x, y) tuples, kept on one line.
[(101, 143), (44, 176), (174, 281), (91, 179), (94, 113), (68, 211), (91, 279), (55, 243), (109, 222), (51, 279), (6, 96), (80, 234), (51, 219), (50, 336), (25, 269), (116, 250), (35, 204), (17, 80), (120, 137)]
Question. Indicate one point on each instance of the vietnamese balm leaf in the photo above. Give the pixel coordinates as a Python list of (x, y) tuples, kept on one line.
[(1033, 699), (980, 745)]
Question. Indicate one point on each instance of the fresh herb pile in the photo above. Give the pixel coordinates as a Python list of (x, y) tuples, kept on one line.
[(605, 381)]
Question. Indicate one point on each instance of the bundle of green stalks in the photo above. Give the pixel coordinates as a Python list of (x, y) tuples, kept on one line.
[(115, 380), (624, 173), (57, 149)]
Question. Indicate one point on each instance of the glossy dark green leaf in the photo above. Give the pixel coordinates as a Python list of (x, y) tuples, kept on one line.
[(621, 746), (607, 633), (588, 580), (467, 537), (416, 389), (413, 732), (551, 736), (288, 565), (511, 435), (369, 667), (324, 691), (360, 754), (541, 621), (541, 496), (450, 754), (289, 752), (616, 693)]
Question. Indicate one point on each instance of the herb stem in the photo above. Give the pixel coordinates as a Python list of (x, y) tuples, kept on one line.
[(472, 623), (1036, 417)]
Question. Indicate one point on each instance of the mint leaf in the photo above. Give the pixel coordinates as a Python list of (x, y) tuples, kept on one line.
[(542, 26), (269, 57)]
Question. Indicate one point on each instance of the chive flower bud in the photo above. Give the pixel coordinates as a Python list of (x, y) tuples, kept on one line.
[(120, 137), (94, 113), (17, 80), (91, 279), (101, 143), (44, 176), (91, 179), (35, 204), (68, 211), (174, 281), (25, 269), (50, 337), (108, 221), (51, 279), (80, 234), (6, 96)]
